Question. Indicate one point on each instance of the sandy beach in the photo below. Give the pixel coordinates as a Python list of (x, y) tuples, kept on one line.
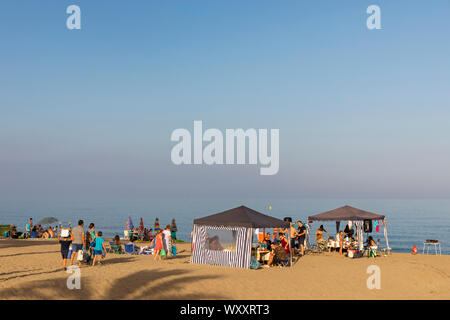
[(31, 269)]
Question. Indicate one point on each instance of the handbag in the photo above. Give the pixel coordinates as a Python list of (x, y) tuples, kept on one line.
[(163, 253), (80, 255)]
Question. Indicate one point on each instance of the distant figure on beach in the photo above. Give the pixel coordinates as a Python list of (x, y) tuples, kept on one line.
[(278, 254), (292, 235), (91, 230), (78, 239), (99, 247), (158, 245), (167, 237), (150, 235), (348, 231), (267, 244), (284, 243), (28, 228), (371, 242), (214, 244), (340, 238), (301, 232), (65, 244), (321, 242)]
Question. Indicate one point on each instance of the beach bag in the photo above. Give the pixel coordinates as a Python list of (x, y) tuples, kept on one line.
[(174, 251), (80, 255), (163, 253), (254, 264)]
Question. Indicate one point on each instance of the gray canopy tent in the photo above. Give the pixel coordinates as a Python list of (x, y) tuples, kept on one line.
[(241, 222), (357, 216)]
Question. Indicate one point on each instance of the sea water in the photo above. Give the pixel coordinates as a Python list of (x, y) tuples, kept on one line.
[(409, 221)]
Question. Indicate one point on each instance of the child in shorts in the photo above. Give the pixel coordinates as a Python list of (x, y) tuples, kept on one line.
[(99, 247), (65, 244)]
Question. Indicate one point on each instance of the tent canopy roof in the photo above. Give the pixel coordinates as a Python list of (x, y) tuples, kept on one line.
[(242, 217), (346, 213)]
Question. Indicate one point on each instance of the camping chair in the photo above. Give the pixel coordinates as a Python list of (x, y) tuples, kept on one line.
[(130, 248), (284, 263), (114, 248), (314, 249)]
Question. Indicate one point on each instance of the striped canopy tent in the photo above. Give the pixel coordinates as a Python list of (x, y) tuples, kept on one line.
[(130, 224), (240, 223), (355, 215)]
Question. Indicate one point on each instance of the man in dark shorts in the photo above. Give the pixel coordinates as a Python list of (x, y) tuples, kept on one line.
[(301, 232), (77, 240), (65, 244)]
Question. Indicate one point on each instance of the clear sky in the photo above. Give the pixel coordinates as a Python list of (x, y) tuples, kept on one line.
[(89, 113)]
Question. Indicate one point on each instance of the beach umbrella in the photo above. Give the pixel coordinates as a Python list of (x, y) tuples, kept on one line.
[(130, 224), (173, 226), (157, 224), (141, 225), (48, 220)]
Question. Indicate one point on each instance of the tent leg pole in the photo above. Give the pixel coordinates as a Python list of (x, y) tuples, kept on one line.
[(290, 248)]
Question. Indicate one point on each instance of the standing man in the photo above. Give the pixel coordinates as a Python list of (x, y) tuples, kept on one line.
[(167, 238), (292, 234), (301, 232), (28, 228), (78, 240)]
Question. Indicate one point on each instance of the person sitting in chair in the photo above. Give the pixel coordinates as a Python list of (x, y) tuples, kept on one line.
[(278, 254), (214, 244), (371, 243)]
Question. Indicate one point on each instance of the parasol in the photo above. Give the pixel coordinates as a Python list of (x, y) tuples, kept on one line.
[(173, 226), (157, 224), (48, 220), (129, 224), (141, 225)]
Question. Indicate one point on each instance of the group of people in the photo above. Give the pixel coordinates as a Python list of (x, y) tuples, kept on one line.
[(162, 241), (89, 244), (279, 247), (343, 241), (33, 231)]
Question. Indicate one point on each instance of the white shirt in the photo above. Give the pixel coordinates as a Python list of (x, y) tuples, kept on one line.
[(166, 234)]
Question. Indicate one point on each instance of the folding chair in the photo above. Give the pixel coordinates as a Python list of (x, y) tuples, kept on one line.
[(130, 248)]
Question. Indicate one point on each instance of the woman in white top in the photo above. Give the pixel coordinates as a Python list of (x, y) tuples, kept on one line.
[(167, 239)]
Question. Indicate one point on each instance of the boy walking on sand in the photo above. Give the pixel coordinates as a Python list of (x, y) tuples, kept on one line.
[(99, 247), (65, 244)]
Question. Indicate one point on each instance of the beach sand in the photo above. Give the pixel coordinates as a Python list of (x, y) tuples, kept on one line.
[(31, 269)]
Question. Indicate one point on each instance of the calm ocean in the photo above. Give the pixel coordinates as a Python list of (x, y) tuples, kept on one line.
[(409, 221)]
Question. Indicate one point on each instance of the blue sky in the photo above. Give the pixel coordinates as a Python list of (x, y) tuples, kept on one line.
[(88, 113)]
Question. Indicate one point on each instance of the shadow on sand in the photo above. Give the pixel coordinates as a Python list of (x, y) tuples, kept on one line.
[(145, 284)]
